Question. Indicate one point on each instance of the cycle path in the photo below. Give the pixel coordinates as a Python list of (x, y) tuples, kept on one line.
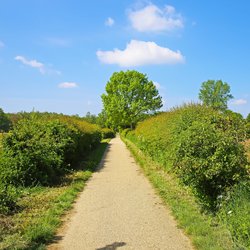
[(119, 209)]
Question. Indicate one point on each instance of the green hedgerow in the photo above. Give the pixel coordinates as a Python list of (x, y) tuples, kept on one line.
[(33, 152), (107, 133), (201, 145), (209, 160)]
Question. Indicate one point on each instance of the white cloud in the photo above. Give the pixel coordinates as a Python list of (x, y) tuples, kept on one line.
[(32, 63), (109, 22), (152, 18), (139, 53), (239, 102), (1, 44), (38, 65), (67, 85)]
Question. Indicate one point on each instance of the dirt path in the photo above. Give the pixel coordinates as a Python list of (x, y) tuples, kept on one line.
[(119, 209)]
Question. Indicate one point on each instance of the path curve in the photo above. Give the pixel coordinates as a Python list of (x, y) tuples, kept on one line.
[(119, 209)]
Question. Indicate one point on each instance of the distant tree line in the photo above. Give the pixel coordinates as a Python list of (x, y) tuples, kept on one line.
[(130, 98)]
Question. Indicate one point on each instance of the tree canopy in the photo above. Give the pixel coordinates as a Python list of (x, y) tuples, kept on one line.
[(129, 97), (215, 94)]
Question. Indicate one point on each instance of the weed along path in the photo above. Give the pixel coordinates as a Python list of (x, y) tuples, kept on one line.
[(119, 209)]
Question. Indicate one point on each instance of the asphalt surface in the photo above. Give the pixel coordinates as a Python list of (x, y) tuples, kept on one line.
[(119, 209)]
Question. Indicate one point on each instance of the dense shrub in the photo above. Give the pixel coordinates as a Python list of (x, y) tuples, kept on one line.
[(107, 133), (86, 136), (38, 150), (34, 152), (237, 124), (124, 132), (204, 148), (246, 145), (248, 130), (1, 137), (5, 122), (199, 144), (248, 126), (8, 198), (209, 160)]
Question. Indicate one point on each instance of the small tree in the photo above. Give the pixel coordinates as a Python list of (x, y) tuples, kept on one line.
[(215, 94), (130, 95)]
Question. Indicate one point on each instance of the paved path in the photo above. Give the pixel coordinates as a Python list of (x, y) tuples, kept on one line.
[(119, 209)]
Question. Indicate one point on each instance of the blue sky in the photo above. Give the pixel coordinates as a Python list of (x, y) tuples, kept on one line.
[(57, 55)]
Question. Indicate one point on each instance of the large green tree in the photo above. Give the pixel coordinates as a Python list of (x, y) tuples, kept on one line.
[(129, 97), (215, 94)]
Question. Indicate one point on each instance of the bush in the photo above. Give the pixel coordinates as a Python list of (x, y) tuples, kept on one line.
[(86, 137), (204, 148), (125, 131), (34, 152), (248, 130), (248, 125), (199, 144), (209, 161), (107, 133), (1, 138), (38, 151), (5, 122), (8, 198)]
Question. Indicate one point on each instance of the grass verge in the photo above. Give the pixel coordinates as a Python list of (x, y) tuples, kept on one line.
[(41, 208), (205, 232)]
